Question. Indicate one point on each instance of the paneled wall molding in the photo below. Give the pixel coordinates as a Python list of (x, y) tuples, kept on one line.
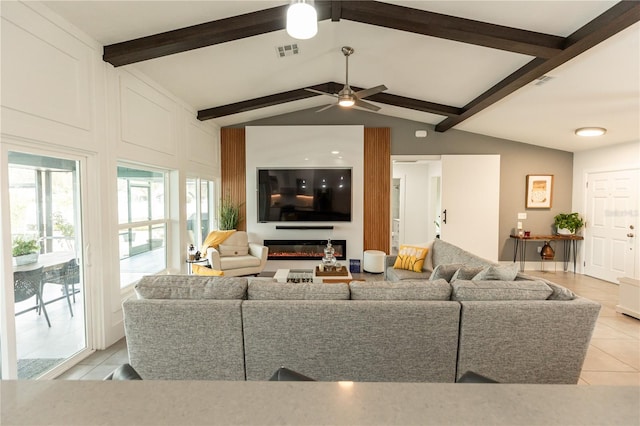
[(377, 189)]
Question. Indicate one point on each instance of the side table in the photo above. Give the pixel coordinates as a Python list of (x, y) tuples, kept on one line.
[(203, 260), (569, 242)]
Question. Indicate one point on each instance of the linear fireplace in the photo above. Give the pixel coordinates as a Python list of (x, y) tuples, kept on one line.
[(304, 249)]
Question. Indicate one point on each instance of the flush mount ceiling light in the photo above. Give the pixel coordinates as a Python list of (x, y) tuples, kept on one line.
[(302, 19), (591, 131)]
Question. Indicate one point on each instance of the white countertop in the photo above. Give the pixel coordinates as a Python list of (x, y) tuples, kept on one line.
[(86, 403)]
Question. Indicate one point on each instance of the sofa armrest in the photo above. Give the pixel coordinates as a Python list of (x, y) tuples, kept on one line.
[(259, 251), (389, 260), (213, 256)]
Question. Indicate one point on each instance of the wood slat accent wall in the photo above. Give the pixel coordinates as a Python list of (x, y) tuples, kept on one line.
[(377, 189), (233, 170), (377, 181)]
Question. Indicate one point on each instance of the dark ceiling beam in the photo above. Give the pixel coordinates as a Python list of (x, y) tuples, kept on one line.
[(331, 87), (452, 28), (203, 35), (368, 12), (609, 23)]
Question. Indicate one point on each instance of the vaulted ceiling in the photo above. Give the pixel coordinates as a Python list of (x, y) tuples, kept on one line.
[(528, 71)]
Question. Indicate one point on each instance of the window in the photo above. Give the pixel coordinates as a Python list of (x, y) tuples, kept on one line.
[(200, 209), (142, 217)]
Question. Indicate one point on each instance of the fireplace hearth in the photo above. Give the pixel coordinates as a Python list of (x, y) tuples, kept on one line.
[(304, 249)]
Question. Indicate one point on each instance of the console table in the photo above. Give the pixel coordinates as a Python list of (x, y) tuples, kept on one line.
[(568, 242)]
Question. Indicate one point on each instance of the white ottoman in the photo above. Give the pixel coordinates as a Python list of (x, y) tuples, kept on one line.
[(374, 261)]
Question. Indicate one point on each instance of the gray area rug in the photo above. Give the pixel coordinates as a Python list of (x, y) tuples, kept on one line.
[(30, 368)]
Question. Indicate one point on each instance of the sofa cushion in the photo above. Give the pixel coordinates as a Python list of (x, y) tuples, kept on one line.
[(190, 287), (402, 274), (466, 272), (444, 271), (404, 290), (237, 262), (411, 258), (205, 270), (498, 272), (559, 292), (264, 290), (499, 290), (444, 253)]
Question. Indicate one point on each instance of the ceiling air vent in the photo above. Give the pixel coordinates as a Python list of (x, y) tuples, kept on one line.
[(287, 50), (542, 80)]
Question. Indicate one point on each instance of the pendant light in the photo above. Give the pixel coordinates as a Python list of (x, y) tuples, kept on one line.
[(302, 20)]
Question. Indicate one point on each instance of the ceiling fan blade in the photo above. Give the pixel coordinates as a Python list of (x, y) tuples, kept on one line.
[(326, 107), (371, 91), (321, 93), (366, 105)]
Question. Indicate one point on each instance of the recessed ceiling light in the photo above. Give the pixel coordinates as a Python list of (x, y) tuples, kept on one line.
[(591, 131), (335, 152)]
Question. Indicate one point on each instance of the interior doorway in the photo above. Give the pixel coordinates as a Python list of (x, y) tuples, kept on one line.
[(415, 197)]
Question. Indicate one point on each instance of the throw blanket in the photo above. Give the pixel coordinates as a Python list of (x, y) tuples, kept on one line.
[(214, 239)]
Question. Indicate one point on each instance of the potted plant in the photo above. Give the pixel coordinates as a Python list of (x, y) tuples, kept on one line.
[(25, 250), (568, 223), (229, 215)]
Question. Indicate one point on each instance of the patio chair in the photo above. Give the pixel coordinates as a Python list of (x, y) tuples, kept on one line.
[(27, 284), (67, 274)]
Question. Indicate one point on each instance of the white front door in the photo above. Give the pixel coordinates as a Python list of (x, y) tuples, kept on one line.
[(471, 203), (611, 243)]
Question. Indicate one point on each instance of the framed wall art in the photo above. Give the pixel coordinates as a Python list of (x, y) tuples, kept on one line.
[(539, 191)]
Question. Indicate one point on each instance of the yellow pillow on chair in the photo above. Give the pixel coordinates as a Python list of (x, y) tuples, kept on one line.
[(411, 258), (203, 270)]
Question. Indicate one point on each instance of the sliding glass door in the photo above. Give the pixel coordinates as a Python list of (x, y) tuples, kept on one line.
[(46, 322)]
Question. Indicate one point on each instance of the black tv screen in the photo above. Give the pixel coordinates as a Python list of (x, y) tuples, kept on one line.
[(304, 195)]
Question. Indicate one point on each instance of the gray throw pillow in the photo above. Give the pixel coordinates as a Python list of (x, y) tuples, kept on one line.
[(498, 272), (466, 273), (444, 271), (559, 292)]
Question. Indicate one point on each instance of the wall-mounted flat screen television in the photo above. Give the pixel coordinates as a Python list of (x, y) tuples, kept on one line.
[(304, 195)]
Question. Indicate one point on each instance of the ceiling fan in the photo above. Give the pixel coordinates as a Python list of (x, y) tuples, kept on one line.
[(347, 97)]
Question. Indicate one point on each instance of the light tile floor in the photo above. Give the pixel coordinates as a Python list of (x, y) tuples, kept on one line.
[(613, 357)]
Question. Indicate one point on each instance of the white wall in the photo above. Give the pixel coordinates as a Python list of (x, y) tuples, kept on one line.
[(306, 146), (59, 95)]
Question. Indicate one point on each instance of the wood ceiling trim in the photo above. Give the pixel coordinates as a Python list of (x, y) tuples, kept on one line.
[(368, 12), (330, 87), (612, 21), (452, 28)]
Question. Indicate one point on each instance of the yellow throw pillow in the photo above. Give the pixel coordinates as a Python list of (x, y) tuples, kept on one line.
[(411, 258), (203, 270)]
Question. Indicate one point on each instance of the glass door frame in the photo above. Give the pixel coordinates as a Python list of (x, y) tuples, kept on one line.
[(8, 345)]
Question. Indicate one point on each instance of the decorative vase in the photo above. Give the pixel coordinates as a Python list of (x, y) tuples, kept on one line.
[(564, 231), (26, 259), (547, 252), (329, 259)]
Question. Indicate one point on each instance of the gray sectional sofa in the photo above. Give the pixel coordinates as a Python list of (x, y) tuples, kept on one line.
[(522, 330)]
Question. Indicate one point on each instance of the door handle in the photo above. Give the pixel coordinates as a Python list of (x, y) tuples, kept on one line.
[(444, 216), (630, 235)]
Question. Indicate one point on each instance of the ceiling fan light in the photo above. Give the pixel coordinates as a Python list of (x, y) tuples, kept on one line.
[(302, 20), (591, 131), (346, 102)]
